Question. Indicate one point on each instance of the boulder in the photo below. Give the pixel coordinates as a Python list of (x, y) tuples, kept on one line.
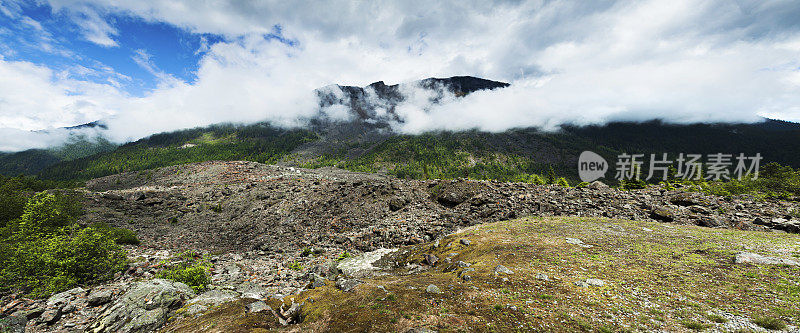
[(500, 269), (662, 214), (99, 297), (144, 307), (598, 185), (347, 284), (362, 266), (689, 199), (757, 259), (433, 289)]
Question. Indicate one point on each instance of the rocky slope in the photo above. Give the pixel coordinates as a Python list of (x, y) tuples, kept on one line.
[(273, 232)]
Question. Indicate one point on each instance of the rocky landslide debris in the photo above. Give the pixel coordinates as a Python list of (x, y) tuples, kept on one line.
[(251, 206), (275, 231)]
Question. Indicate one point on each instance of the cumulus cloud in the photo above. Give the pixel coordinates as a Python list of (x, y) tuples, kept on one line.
[(567, 61)]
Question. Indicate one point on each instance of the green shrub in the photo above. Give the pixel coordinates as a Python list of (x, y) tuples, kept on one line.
[(693, 325), (717, 318), (344, 255), (44, 251), (582, 185), (194, 275), (562, 182), (295, 266), (769, 323), (118, 235), (632, 184), (48, 213), (54, 263)]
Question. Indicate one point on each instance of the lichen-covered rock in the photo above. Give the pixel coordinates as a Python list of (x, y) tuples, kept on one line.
[(347, 284), (144, 307), (362, 266), (753, 258), (663, 214)]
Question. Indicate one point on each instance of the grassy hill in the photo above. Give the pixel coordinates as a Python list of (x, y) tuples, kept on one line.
[(652, 277)]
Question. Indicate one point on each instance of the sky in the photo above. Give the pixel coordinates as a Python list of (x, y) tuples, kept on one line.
[(144, 67)]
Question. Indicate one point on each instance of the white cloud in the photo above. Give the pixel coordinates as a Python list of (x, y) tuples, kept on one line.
[(568, 61)]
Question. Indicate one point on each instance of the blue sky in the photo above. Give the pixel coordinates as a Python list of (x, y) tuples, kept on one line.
[(149, 66), (171, 50)]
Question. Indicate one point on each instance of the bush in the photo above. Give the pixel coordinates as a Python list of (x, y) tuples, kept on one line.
[(582, 185), (632, 184), (118, 235), (562, 182), (344, 255), (770, 323), (47, 213), (194, 275), (44, 251), (55, 263)]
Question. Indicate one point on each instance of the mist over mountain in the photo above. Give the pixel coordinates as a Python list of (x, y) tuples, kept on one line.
[(363, 127)]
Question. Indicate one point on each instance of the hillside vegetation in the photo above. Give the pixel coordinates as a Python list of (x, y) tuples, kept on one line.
[(559, 275)]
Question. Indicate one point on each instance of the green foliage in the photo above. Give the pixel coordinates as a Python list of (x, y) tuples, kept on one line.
[(582, 185), (118, 235), (694, 325), (257, 142), (632, 184), (717, 318), (306, 252), (344, 255), (14, 194), (47, 213), (295, 266), (561, 181), (774, 181), (54, 263), (440, 155), (44, 251), (769, 323), (216, 208), (193, 274)]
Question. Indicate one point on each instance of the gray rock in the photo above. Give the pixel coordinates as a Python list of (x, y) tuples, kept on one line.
[(689, 199), (258, 306), (144, 307), (50, 316), (252, 290), (710, 222), (465, 241), (362, 266), (590, 283), (500, 269), (462, 264), (757, 259), (63, 298), (433, 289), (347, 284), (575, 241), (598, 185), (99, 297), (316, 281), (595, 282), (13, 324), (542, 276), (663, 214), (430, 259)]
